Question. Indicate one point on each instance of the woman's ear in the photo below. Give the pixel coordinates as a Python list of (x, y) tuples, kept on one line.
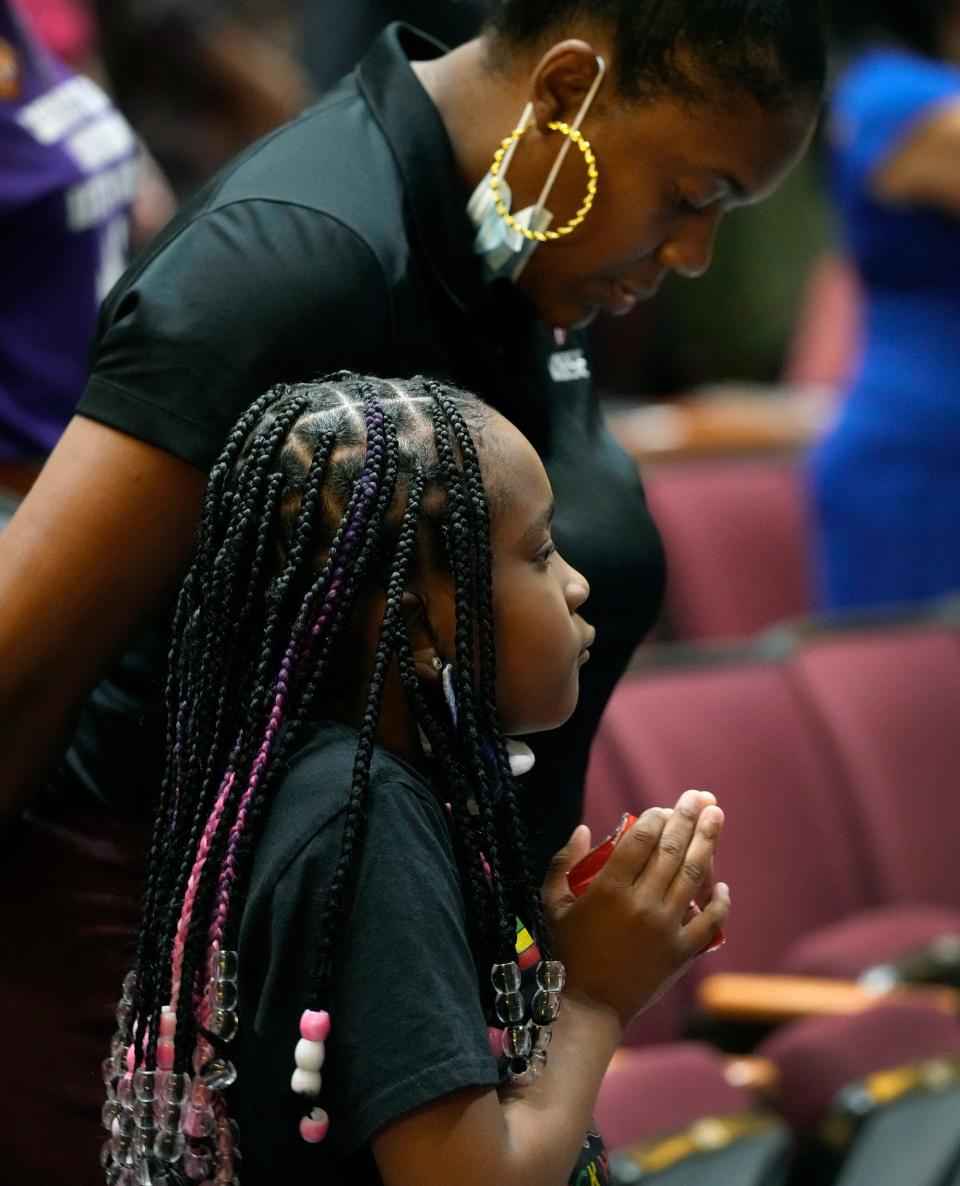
[(561, 81), (427, 659)]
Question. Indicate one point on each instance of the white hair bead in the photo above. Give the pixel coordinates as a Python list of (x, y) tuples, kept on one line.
[(309, 1055), (305, 1082)]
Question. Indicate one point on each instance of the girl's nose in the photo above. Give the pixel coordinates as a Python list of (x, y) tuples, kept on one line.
[(577, 589)]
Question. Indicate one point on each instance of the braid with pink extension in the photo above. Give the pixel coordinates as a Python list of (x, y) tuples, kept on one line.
[(373, 470)]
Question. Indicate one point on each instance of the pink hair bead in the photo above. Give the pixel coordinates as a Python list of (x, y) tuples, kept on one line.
[(168, 1022), (313, 1128), (315, 1025), (165, 1054)]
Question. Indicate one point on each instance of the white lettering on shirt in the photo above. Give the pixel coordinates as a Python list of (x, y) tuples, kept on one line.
[(568, 365)]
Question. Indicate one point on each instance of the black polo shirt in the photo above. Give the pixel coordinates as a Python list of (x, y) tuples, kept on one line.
[(341, 241)]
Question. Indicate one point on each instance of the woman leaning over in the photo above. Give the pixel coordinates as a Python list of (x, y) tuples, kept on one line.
[(349, 238)]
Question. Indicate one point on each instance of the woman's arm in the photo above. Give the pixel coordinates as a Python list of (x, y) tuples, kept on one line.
[(925, 168), (624, 942), (96, 546)]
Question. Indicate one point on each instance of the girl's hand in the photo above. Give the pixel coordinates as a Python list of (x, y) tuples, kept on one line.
[(625, 941)]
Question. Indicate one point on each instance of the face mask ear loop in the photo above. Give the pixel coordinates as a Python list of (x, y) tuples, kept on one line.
[(565, 147), (525, 120)]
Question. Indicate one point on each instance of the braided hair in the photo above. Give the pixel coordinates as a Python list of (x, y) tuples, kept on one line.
[(322, 492)]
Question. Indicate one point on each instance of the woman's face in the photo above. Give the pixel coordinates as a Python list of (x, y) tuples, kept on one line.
[(669, 171)]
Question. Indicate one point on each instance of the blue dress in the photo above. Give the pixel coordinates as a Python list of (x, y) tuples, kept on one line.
[(886, 481)]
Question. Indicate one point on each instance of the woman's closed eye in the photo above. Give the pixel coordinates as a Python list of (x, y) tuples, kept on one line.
[(544, 553)]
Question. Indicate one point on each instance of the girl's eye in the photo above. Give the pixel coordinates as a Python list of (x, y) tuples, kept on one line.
[(543, 556)]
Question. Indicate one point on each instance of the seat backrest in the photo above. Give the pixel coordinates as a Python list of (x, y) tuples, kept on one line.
[(888, 701), (736, 539), (741, 731)]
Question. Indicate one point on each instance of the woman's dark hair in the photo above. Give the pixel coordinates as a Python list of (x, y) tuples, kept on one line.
[(916, 24), (325, 493), (772, 49)]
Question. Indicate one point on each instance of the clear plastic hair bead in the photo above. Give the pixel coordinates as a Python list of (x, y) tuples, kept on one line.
[(505, 977), (551, 975), (509, 1007), (125, 1093), (143, 1113), (122, 1149), (124, 1126), (224, 1023), (516, 1041), (523, 1073), (541, 1035), (545, 1006), (223, 994), (129, 985), (198, 1122), (145, 1085), (218, 1074), (169, 1146), (197, 1162), (223, 965), (142, 1173), (125, 1010), (173, 1087), (108, 1113), (108, 1071), (168, 1116)]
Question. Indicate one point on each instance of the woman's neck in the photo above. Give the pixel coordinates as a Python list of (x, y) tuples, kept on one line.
[(478, 107)]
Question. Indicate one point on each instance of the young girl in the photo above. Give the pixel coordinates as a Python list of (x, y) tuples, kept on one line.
[(340, 929)]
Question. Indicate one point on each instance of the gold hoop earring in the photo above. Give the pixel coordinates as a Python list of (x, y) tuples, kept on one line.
[(589, 160)]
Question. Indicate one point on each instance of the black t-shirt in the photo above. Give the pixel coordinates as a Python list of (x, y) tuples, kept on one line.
[(341, 240), (408, 1025)]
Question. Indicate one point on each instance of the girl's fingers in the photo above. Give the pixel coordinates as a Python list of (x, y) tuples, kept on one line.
[(678, 832), (699, 933), (696, 868), (629, 859)]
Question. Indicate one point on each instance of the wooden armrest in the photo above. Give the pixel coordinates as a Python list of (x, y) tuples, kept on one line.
[(772, 1000)]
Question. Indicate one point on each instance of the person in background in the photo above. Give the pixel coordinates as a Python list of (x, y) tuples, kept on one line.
[(68, 172), (200, 82), (886, 479)]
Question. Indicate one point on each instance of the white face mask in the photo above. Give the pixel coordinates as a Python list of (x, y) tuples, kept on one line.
[(504, 250)]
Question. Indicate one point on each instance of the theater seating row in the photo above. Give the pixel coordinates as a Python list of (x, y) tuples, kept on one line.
[(737, 539), (835, 753)]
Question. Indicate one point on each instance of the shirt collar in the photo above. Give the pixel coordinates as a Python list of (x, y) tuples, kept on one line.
[(435, 192)]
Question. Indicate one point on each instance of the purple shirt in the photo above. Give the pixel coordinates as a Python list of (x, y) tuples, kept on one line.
[(68, 169)]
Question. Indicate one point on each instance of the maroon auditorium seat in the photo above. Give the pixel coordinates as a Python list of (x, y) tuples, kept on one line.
[(670, 1117), (888, 701), (881, 1091), (736, 538)]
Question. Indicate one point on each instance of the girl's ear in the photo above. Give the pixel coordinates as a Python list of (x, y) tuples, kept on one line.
[(426, 655)]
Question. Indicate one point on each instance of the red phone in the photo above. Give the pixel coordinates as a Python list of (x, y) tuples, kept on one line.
[(584, 871)]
